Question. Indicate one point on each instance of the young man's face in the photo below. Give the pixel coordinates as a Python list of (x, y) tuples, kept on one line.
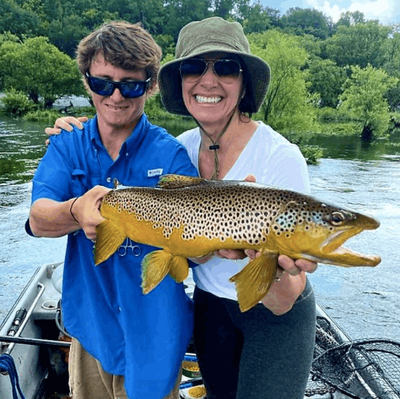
[(116, 111)]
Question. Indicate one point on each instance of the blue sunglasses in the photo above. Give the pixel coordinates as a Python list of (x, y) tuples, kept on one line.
[(106, 88)]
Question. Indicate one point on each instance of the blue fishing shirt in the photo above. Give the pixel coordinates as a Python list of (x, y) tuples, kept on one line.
[(142, 337)]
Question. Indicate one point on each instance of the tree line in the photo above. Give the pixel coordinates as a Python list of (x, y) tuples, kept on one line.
[(352, 65)]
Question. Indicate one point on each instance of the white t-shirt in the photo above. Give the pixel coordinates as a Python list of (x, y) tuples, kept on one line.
[(274, 161)]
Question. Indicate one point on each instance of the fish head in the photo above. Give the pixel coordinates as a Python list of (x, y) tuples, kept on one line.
[(309, 229)]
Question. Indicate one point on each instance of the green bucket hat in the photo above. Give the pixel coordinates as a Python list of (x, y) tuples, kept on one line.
[(214, 35)]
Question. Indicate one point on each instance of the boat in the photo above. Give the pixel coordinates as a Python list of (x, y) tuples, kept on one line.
[(34, 352)]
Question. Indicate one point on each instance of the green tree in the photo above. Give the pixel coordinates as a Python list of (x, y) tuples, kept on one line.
[(360, 44), (180, 12), (350, 18), (364, 97), (391, 64), (307, 21), (38, 69), (256, 19), (17, 20), (326, 79), (288, 105)]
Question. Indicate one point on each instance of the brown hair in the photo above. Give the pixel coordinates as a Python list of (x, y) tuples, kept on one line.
[(124, 45)]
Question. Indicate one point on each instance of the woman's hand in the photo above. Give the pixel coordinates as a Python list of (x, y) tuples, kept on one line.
[(66, 123), (289, 284)]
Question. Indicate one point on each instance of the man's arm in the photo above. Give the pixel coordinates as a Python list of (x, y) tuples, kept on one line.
[(49, 218)]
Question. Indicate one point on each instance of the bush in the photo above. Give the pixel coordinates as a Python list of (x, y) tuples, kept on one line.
[(333, 115), (16, 103), (48, 116), (155, 110), (312, 153)]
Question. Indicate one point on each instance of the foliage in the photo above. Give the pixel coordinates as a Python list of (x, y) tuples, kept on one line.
[(48, 115), (350, 18), (288, 104), (257, 18), (363, 97), (391, 64), (166, 42), (155, 110), (16, 103), (359, 44), (315, 52), (17, 20), (39, 69), (307, 21), (333, 115), (312, 153), (326, 79), (181, 12)]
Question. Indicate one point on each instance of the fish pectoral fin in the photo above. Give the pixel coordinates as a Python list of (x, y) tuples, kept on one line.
[(155, 266), (179, 269), (255, 280), (178, 181), (109, 238)]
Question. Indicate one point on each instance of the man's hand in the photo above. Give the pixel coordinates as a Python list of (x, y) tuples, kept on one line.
[(86, 210)]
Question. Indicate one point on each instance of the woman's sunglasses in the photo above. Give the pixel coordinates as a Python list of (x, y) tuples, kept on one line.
[(228, 71), (105, 87)]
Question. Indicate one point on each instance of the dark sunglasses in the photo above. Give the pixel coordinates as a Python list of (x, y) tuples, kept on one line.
[(228, 71), (105, 87)]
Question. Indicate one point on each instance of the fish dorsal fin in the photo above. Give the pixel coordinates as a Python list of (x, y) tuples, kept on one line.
[(179, 181)]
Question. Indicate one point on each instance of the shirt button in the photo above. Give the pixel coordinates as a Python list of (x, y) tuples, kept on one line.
[(109, 179), (127, 154)]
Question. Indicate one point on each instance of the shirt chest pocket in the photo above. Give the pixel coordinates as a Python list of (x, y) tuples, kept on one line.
[(81, 182)]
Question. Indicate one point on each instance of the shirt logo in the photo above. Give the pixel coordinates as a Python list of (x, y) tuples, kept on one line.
[(154, 172)]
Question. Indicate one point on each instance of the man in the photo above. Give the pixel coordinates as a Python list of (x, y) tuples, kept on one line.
[(125, 344)]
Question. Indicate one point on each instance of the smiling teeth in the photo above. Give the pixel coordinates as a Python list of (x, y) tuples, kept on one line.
[(209, 100), (116, 108)]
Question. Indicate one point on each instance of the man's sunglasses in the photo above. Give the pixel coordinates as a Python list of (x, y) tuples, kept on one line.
[(129, 89), (228, 71)]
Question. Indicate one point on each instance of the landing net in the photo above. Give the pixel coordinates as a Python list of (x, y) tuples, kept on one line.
[(361, 369)]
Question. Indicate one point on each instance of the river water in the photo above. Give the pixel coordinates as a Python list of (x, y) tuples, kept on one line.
[(364, 301)]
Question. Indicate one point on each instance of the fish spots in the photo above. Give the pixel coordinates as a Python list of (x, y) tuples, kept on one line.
[(243, 212)]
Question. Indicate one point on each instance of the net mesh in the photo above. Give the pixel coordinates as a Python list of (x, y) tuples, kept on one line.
[(367, 369)]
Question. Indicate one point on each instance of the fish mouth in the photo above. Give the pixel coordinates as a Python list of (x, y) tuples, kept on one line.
[(334, 253)]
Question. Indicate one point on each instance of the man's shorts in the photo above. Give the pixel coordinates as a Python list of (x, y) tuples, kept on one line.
[(88, 380)]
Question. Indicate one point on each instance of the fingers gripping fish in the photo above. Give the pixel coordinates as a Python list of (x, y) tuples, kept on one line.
[(190, 217)]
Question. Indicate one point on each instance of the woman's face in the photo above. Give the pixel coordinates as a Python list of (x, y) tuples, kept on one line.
[(211, 99)]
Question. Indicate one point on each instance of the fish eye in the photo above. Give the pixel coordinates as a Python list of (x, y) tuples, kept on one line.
[(337, 218)]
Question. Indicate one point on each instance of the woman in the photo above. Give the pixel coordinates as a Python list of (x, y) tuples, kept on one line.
[(267, 351)]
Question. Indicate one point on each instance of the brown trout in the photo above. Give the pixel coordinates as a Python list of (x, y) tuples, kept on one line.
[(191, 217)]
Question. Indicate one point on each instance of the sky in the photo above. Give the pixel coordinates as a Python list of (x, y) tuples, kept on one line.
[(386, 11)]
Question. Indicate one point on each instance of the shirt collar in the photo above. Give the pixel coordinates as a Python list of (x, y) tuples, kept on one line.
[(131, 143)]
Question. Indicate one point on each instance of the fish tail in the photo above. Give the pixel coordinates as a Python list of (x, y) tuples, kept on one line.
[(108, 239), (179, 269), (155, 266), (255, 280)]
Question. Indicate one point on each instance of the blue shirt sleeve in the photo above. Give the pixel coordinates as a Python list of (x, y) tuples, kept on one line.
[(53, 176)]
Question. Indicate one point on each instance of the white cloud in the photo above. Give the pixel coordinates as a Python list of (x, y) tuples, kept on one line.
[(329, 8), (371, 9), (387, 11)]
